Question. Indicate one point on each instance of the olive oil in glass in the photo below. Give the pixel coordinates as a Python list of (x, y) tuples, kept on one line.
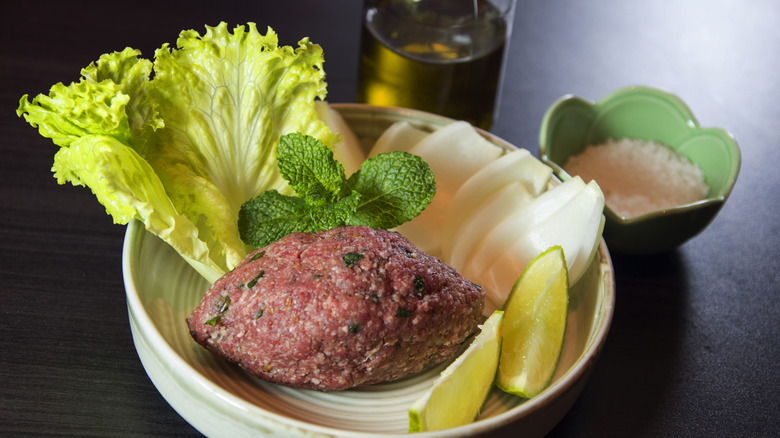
[(440, 56)]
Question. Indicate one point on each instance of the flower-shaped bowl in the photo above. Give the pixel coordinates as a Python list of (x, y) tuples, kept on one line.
[(643, 113)]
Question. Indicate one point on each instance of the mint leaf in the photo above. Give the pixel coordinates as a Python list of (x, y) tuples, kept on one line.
[(308, 165), (395, 188), (333, 215), (270, 216)]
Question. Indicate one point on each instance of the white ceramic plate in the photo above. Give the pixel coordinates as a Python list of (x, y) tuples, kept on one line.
[(220, 400)]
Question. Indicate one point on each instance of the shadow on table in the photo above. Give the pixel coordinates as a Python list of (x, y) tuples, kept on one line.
[(636, 368)]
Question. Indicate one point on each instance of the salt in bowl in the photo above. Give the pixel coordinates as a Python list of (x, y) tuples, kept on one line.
[(643, 113)]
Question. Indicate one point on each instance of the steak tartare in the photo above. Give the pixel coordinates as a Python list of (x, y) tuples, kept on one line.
[(338, 309)]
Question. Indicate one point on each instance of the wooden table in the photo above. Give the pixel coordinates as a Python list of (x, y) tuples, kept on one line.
[(695, 341)]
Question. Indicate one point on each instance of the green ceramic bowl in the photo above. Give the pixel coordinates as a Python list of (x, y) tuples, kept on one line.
[(573, 123)]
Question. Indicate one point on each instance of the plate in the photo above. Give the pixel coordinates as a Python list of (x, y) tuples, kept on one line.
[(220, 400)]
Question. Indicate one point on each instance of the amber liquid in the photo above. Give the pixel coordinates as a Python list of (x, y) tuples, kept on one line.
[(455, 73)]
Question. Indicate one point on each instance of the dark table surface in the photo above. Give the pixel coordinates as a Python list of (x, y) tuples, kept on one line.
[(695, 341)]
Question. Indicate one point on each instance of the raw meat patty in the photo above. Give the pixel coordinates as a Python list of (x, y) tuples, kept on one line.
[(337, 309)]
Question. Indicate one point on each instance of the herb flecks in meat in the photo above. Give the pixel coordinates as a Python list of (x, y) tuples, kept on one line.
[(223, 304), (351, 258), (402, 312), (419, 285), (254, 281)]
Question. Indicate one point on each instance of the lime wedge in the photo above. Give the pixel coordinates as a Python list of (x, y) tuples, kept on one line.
[(458, 394), (536, 312)]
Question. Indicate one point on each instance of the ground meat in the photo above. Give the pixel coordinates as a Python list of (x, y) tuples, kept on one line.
[(337, 309)]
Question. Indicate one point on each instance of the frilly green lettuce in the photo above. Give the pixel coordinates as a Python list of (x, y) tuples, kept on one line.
[(182, 142)]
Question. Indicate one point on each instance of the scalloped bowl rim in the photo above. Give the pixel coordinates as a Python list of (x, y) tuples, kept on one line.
[(693, 124)]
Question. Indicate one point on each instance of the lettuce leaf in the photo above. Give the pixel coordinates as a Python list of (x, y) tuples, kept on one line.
[(181, 142)]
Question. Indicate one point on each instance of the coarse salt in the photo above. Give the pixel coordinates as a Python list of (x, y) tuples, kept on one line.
[(639, 176)]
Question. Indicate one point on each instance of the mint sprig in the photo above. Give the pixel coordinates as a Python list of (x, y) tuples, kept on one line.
[(388, 190)]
